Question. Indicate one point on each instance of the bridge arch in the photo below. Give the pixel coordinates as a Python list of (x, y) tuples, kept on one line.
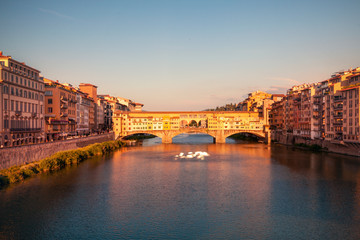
[(257, 134), (157, 134), (194, 130)]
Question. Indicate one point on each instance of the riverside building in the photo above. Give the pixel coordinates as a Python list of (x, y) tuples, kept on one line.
[(22, 103), (60, 110), (91, 91), (328, 110)]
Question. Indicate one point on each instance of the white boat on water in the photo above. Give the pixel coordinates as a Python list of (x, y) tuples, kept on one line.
[(198, 155)]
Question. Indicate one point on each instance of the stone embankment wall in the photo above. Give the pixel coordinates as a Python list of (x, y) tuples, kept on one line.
[(335, 147), (15, 156)]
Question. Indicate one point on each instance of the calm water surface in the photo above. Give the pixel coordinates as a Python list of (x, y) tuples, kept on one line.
[(241, 191)]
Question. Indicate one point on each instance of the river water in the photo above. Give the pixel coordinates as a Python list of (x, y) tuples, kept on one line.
[(240, 191)]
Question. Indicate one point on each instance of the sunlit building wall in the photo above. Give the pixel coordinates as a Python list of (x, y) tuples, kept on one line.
[(22, 103)]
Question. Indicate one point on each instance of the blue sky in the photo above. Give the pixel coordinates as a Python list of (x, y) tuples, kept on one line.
[(183, 55)]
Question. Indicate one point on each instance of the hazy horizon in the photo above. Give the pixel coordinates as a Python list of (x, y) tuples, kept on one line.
[(183, 55)]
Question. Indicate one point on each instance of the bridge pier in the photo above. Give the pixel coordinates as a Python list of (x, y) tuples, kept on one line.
[(220, 137), (267, 134), (166, 139), (268, 138), (219, 140)]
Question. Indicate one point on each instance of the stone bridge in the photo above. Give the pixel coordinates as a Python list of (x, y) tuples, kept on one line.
[(167, 125)]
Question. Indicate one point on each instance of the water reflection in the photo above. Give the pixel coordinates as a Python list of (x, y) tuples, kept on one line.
[(240, 191)]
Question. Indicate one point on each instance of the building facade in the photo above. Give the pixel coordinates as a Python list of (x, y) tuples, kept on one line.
[(22, 103), (60, 110)]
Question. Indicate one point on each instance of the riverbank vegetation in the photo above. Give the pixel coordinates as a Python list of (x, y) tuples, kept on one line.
[(56, 162), (226, 107)]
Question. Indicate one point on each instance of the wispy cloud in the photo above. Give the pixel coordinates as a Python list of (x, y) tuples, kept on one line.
[(277, 89), (55, 13), (287, 80)]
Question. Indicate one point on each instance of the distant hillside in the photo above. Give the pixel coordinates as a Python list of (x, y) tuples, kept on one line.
[(227, 107)]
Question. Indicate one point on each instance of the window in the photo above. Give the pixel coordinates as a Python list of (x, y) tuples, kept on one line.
[(12, 105), (17, 92), (50, 101), (25, 82), (5, 104), (6, 89), (50, 110), (6, 123), (21, 92), (25, 94), (12, 91), (48, 93), (17, 79), (25, 105), (12, 78)]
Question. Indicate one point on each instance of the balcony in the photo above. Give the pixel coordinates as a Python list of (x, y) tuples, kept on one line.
[(339, 98), (337, 116), (18, 130), (33, 115), (64, 106), (58, 122), (18, 113), (338, 123), (338, 107), (338, 131), (72, 121), (63, 114)]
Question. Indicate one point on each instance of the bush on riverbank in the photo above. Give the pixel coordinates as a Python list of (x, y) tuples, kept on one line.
[(56, 161)]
